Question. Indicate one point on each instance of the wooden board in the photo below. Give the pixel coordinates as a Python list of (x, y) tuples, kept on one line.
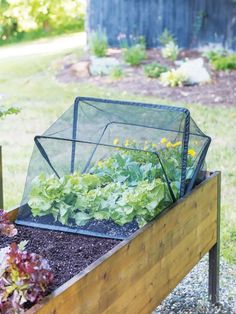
[(140, 272)]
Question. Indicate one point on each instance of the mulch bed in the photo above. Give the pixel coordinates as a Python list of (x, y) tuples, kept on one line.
[(66, 253), (221, 91)]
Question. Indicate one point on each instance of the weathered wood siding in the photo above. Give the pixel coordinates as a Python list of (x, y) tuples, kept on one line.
[(192, 22)]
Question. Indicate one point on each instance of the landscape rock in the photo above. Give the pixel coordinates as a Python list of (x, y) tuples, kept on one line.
[(80, 69), (195, 71), (102, 66), (64, 63)]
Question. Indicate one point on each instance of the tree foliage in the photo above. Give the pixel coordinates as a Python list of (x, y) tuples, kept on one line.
[(21, 16)]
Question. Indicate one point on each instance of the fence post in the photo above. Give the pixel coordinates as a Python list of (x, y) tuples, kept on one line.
[(1, 180)]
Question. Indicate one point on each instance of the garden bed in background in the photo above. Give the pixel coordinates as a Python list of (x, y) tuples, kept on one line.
[(221, 90)]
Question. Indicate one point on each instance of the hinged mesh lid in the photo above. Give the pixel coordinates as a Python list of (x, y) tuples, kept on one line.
[(107, 167)]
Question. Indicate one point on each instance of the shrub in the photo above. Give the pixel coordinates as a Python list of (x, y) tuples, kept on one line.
[(4, 112), (154, 70), (213, 54), (166, 38), (135, 54), (98, 44), (170, 51), (173, 78), (224, 62), (117, 73), (35, 18)]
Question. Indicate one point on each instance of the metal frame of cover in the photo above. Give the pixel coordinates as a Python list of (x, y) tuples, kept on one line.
[(91, 102), (186, 133)]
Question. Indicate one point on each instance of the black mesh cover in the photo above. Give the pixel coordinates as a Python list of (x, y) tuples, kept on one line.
[(127, 146)]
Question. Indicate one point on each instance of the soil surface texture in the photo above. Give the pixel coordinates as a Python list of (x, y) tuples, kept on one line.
[(66, 253), (102, 228), (220, 91)]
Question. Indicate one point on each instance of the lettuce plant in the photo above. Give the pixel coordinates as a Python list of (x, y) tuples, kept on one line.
[(24, 278), (128, 185)]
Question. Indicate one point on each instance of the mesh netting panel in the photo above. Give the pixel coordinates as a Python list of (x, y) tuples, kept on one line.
[(106, 167)]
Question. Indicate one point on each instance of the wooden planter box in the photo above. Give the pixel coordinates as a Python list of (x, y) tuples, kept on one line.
[(136, 275)]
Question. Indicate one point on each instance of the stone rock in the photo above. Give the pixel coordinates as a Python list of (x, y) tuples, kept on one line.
[(195, 71), (64, 63), (102, 66), (80, 69)]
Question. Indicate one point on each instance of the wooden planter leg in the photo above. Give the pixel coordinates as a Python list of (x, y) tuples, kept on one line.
[(214, 257), (1, 180), (213, 288)]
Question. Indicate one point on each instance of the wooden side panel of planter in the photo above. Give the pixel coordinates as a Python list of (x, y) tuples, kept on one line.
[(139, 273), (12, 214)]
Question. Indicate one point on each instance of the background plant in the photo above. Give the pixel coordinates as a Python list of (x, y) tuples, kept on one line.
[(214, 54), (170, 51), (8, 111), (134, 49), (134, 55), (154, 70), (35, 18), (117, 73), (166, 37), (173, 78), (220, 59), (224, 62), (98, 43)]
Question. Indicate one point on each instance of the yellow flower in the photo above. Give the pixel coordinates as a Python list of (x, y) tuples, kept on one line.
[(192, 152), (176, 144), (154, 145), (163, 140), (100, 163), (169, 144), (127, 142), (145, 147), (116, 141)]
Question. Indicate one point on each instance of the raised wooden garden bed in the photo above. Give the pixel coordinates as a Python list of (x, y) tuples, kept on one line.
[(136, 275)]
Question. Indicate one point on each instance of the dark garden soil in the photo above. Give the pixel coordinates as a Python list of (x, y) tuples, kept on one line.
[(66, 253), (221, 90), (103, 228)]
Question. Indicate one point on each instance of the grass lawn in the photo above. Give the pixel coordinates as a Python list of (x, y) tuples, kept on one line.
[(29, 83)]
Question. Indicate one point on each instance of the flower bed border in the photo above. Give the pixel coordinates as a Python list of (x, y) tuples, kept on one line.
[(136, 275)]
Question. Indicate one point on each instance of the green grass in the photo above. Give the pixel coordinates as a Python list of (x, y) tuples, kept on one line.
[(29, 83), (18, 37)]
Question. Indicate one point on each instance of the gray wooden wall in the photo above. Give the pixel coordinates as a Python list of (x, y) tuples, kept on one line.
[(193, 22)]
